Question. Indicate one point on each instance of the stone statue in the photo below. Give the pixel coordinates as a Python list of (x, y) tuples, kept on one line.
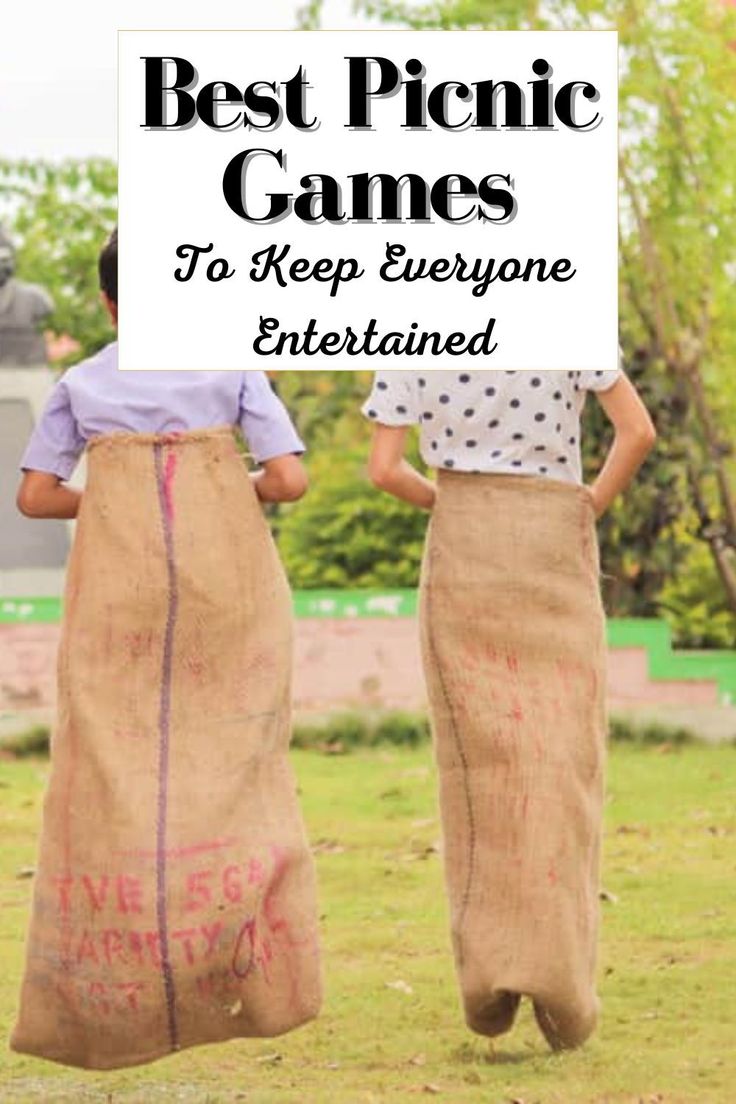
[(22, 308)]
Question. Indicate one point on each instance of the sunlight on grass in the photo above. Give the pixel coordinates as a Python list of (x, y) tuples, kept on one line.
[(391, 1029)]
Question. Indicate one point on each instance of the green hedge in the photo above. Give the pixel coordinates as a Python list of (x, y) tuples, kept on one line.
[(341, 733)]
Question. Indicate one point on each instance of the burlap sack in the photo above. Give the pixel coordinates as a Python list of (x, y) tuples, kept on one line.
[(174, 897), (513, 644)]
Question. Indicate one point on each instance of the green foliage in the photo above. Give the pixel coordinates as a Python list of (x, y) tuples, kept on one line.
[(334, 734), (60, 216), (642, 539), (677, 287), (501, 14), (338, 733), (401, 729), (23, 745), (345, 533), (625, 730), (693, 602), (308, 15), (677, 304), (325, 406), (341, 732)]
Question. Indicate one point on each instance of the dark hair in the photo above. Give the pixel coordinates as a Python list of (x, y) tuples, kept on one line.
[(108, 267)]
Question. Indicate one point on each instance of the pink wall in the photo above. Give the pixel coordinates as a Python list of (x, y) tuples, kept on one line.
[(27, 666), (338, 664)]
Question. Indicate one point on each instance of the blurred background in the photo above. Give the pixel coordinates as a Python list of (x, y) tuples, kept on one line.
[(668, 548), (391, 1029)]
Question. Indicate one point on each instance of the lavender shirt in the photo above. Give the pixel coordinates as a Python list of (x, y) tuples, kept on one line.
[(94, 398)]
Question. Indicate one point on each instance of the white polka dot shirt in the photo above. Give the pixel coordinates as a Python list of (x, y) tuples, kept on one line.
[(523, 423)]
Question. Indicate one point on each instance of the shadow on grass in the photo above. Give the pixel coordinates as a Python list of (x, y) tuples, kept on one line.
[(468, 1054)]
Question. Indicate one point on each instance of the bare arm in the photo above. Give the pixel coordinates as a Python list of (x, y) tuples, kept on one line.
[(389, 470), (282, 479), (633, 441), (43, 495)]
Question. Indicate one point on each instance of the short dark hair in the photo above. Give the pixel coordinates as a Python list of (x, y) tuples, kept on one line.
[(108, 267)]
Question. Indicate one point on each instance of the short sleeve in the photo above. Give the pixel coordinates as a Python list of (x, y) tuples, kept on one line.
[(393, 400), (264, 420), (56, 443), (602, 381)]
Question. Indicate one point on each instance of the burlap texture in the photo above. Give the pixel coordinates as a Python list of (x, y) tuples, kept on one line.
[(513, 643), (174, 897)]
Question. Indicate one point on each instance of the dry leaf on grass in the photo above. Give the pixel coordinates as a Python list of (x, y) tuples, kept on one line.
[(332, 749), (418, 1060), (270, 1059), (429, 1088), (632, 830), (421, 852), (400, 986), (327, 847), (606, 895)]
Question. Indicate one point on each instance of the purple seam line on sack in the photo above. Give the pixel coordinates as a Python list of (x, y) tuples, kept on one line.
[(164, 499)]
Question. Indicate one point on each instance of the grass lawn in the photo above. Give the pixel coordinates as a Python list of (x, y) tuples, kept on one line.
[(391, 1028)]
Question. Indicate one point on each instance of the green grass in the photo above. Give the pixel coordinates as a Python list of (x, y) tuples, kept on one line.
[(668, 955)]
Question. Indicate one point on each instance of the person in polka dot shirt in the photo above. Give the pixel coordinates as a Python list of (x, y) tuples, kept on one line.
[(512, 634), (521, 422)]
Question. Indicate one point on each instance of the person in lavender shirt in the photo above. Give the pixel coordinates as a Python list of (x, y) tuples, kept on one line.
[(94, 398), (170, 746)]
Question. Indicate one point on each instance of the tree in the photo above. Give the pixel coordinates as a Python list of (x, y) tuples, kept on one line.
[(346, 534), (677, 263), (677, 298), (60, 215), (319, 401)]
